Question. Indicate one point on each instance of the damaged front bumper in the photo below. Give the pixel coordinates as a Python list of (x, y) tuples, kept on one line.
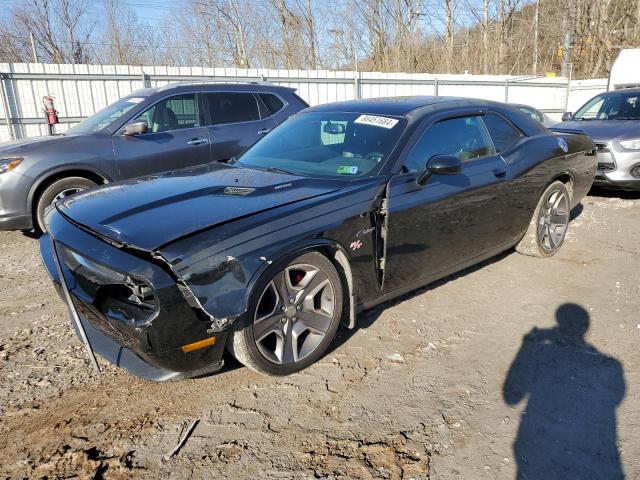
[(135, 314)]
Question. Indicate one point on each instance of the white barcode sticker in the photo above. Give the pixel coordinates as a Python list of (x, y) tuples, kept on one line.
[(376, 121)]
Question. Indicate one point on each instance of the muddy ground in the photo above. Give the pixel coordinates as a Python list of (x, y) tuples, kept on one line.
[(421, 389)]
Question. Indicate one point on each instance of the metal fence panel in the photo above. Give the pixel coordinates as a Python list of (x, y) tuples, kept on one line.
[(81, 90)]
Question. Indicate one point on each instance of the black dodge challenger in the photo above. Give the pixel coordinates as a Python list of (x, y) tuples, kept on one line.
[(340, 208)]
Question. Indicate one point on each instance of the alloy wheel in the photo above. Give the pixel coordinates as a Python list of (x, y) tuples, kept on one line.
[(553, 221), (65, 193), (294, 314)]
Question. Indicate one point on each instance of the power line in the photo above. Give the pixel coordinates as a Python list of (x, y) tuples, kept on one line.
[(96, 44)]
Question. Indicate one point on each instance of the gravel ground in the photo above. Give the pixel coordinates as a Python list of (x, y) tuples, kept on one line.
[(482, 376)]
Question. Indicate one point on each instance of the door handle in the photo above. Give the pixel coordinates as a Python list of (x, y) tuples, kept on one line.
[(500, 172), (197, 141), (264, 131)]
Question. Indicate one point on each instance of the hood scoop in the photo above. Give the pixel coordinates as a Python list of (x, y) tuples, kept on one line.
[(239, 191)]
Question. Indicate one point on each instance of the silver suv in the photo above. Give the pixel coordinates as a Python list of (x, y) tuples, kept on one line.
[(612, 120)]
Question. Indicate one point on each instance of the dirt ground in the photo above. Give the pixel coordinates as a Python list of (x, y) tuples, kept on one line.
[(481, 376)]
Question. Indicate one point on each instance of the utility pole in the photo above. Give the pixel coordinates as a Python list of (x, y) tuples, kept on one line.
[(485, 36), (564, 68), (33, 48), (536, 20)]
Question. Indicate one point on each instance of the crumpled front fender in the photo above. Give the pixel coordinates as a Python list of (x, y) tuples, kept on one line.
[(220, 266)]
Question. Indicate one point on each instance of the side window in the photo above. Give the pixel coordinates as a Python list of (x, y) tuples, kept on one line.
[(594, 110), (272, 102), (173, 113), (464, 137), (232, 107), (504, 135)]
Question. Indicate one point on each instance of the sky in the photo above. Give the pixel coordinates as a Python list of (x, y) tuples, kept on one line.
[(151, 12)]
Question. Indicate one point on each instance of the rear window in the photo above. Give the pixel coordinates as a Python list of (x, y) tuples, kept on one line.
[(503, 134), (272, 102), (232, 107)]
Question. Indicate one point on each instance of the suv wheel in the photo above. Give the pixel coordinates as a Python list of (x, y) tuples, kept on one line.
[(57, 191)]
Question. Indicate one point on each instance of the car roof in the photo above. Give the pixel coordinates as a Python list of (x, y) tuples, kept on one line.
[(216, 86), (415, 108), (398, 106), (622, 91), (522, 105)]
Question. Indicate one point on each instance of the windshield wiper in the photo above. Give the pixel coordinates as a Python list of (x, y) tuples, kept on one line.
[(278, 170), (627, 118)]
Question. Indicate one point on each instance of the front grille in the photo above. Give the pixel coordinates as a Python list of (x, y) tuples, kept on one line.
[(602, 147), (606, 162), (606, 167)]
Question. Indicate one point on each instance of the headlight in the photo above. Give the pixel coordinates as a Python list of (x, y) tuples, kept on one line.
[(7, 164), (631, 144)]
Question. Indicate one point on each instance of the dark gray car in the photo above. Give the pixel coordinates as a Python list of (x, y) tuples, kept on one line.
[(152, 130), (612, 120)]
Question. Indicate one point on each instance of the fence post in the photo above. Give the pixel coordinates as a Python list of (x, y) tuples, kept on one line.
[(566, 100), (506, 91), (146, 80), (435, 86), (5, 105), (356, 85)]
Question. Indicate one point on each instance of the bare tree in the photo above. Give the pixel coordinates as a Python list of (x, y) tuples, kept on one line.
[(479, 36)]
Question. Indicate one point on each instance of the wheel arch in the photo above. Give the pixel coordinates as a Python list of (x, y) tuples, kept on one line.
[(566, 178), (336, 253), (50, 176)]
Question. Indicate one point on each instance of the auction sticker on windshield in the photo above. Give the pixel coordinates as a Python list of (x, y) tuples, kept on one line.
[(347, 170), (376, 121)]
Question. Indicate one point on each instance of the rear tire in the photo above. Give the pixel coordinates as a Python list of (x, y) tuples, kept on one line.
[(280, 336), (57, 191), (548, 227)]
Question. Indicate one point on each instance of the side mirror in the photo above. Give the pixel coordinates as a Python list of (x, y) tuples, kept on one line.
[(133, 129), (440, 165), (567, 116), (333, 128)]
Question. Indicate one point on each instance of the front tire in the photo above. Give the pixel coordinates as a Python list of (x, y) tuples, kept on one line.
[(549, 224), (293, 316), (57, 191)]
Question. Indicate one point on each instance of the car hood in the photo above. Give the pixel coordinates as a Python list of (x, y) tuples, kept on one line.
[(42, 147), (149, 212), (601, 130)]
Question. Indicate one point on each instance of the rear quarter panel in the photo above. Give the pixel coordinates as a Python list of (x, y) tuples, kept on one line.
[(538, 161)]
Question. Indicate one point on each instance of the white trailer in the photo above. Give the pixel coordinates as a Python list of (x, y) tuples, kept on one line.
[(625, 71)]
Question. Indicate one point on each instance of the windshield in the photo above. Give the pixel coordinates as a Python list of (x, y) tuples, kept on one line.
[(327, 144), (611, 106), (107, 116)]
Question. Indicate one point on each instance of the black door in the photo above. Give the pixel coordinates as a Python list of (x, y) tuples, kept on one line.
[(175, 138), (453, 218), (236, 122)]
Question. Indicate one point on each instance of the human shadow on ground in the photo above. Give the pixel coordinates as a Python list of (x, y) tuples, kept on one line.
[(568, 428)]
